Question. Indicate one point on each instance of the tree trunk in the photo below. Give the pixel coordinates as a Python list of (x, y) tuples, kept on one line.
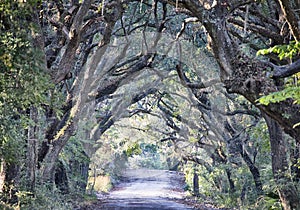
[(84, 176), (2, 174), (230, 181), (253, 169), (196, 182), (286, 188), (49, 161), (32, 144), (11, 183), (295, 159), (236, 147)]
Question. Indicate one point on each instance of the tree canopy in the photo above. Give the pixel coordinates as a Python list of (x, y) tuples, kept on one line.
[(210, 85)]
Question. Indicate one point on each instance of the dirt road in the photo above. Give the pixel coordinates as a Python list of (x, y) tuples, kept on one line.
[(144, 189)]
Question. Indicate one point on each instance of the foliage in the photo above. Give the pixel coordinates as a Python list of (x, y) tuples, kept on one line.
[(133, 149), (259, 136), (265, 202), (155, 132), (283, 51), (149, 157), (291, 89), (44, 199), (23, 83)]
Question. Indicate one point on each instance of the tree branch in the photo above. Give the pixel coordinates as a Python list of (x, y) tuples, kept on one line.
[(185, 81), (258, 29), (286, 70), (291, 18)]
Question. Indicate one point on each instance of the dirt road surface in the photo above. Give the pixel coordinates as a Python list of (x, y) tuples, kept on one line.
[(144, 189)]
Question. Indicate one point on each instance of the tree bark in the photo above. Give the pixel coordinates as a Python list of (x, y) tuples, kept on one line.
[(2, 174), (291, 18), (230, 181), (295, 160), (11, 184), (253, 169), (32, 144), (195, 182), (49, 161), (280, 167)]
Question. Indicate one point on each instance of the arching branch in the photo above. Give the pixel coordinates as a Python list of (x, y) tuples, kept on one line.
[(286, 70)]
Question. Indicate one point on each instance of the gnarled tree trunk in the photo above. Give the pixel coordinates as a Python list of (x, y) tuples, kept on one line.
[(286, 188)]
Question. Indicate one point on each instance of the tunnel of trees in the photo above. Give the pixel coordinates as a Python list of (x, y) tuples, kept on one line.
[(212, 85)]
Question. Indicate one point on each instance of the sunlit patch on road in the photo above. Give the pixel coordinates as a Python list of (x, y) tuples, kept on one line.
[(147, 189)]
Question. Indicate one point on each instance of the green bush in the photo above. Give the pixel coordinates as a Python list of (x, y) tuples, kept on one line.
[(44, 199)]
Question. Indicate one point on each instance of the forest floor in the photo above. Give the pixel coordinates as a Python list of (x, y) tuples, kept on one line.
[(143, 189)]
